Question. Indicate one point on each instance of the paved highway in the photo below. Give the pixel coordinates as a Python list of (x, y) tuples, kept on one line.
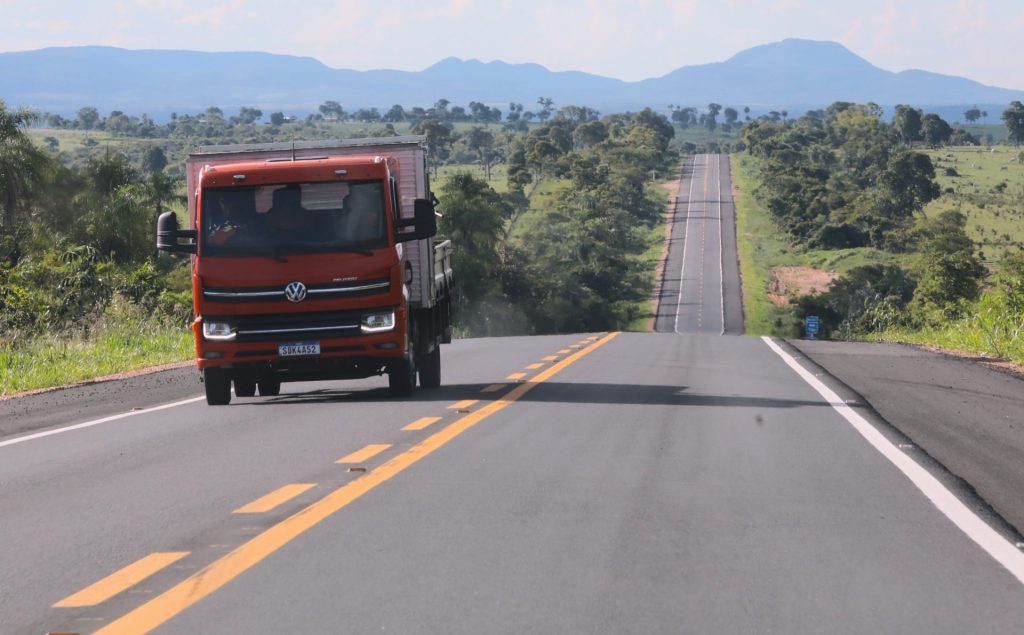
[(595, 483), (700, 292)]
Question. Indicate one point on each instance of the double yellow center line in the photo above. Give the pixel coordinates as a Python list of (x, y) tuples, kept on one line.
[(183, 595)]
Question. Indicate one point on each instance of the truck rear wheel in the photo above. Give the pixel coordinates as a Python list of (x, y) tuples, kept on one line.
[(430, 368), (245, 388), (402, 378), (218, 387)]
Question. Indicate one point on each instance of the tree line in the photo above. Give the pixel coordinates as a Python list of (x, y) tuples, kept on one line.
[(571, 262), (77, 237), (843, 177)]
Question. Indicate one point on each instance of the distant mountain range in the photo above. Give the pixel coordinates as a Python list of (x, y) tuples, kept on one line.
[(792, 74)]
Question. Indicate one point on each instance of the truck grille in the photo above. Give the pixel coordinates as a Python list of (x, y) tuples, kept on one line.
[(316, 292), (293, 326)]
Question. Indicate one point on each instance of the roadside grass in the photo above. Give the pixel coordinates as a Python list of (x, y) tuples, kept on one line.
[(764, 247), (761, 246), (990, 328), (124, 339), (988, 188), (646, 309)]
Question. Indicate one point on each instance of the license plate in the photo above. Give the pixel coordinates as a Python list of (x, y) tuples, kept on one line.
[(298, 349)]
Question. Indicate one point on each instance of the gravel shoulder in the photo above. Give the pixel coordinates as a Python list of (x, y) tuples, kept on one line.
[(96, 399), (966, 415)]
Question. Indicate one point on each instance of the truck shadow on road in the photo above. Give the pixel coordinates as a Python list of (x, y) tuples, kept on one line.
[(547, 392)]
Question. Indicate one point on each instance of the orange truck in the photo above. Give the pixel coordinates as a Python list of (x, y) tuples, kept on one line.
[(314, 260)]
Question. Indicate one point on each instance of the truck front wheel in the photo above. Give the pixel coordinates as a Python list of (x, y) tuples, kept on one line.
[(430, 368), (270, 387), (402, 377), (218, 387), (245, 387)]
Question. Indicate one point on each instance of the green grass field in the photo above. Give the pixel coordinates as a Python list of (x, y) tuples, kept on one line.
[(988, 188)]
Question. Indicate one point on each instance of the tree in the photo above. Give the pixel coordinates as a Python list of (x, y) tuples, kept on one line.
[(972, 115), (332, 110), (439, 140), (481, 141), (578, 114), (936, 131), (277, 118), (908, 184), (440, 110), (1013, 117), (88, 118), (395, 114), (154, 159), (546, 108), (950, 272), (248, 115), (22, 166), (474, 219), (908, 124), (731, 115)]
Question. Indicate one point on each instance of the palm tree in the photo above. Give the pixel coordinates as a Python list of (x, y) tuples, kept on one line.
[(22, 165)]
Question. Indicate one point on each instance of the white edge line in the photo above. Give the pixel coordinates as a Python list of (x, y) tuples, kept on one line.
[(686, 236), (966, 520), (721, 243), (96, 422)]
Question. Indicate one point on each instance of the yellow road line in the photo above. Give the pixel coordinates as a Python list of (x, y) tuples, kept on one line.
[(368, 452), (515, 376), (550, 358), (419, 424), (465, 403), (494, 388), (114, 583), (204, 582), (275, 498), (534, 366)]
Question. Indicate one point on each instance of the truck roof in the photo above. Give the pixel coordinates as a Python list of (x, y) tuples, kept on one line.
[(204, 151)]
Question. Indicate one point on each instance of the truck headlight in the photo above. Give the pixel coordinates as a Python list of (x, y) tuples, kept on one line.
[(218, 331), (378, 322)]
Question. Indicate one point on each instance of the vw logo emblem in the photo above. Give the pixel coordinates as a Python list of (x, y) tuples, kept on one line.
[(295, 292)]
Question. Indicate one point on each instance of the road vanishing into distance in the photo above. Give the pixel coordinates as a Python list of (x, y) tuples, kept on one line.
[(690, 480)]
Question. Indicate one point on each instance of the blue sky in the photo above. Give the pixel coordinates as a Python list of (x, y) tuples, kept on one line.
[(627, 39)]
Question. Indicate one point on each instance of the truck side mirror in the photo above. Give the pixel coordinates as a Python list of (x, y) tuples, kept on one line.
[(424, 221), (168, 234)]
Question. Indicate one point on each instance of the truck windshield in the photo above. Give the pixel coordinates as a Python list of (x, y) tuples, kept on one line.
[(277, 220)]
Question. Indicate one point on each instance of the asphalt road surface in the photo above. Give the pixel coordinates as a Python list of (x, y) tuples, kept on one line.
[(596, 483), (700, 292)]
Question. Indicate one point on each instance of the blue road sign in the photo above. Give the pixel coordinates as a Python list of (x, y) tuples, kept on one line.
[(812, 326)]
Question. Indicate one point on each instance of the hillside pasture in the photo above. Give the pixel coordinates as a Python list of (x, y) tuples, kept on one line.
[(987, 186)]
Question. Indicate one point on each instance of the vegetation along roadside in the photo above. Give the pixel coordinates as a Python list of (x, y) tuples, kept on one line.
[(557, 214), (916, 254)]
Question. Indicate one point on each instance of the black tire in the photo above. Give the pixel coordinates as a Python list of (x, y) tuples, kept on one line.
[(269, 387), (218, 387), (430, 368), (402, 378), (245, 388)]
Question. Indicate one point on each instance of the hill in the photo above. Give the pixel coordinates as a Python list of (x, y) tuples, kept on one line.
[(793, 74)]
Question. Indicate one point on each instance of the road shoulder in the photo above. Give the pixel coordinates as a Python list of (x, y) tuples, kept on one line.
[(968, 417), (95, 399)]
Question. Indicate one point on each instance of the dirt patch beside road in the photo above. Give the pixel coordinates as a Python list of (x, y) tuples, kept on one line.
[(790, 282)]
